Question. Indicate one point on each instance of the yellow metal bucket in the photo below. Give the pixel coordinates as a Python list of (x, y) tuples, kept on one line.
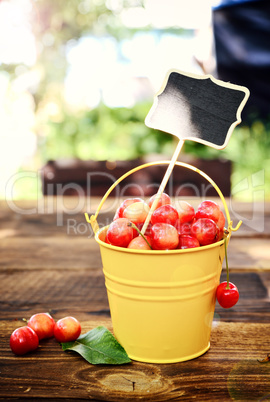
[(162, 302)]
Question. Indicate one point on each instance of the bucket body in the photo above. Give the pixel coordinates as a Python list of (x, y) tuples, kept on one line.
[(162, 302)]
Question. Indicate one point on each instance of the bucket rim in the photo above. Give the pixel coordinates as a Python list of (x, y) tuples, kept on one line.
[(159, 252)]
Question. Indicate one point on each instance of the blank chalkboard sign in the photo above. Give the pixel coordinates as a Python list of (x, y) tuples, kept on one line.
[(197, 108)]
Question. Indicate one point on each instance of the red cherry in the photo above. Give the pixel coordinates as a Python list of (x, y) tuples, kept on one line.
[(138, 243), (183, 228), (163, 200), (147, 231), (186, 241), (23, 340), (220, 234), (208, 209), (165, 214), (227, 297), (221, 221), (164, 236), (205, 230), (136, 212), (119, 233), (185, 211), (103, 234), (67, 329), (42, 324), (124, 205), (220, 226)]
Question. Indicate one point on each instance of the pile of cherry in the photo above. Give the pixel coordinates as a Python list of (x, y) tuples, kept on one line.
[(42, 326), (171, 227)]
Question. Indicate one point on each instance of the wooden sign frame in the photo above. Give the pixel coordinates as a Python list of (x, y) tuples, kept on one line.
[(199, 108)]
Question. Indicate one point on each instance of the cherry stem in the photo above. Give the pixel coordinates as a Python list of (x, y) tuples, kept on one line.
[(227, 265), (140, 233)]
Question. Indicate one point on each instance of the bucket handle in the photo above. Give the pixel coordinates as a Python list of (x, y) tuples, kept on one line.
[(93, 219)]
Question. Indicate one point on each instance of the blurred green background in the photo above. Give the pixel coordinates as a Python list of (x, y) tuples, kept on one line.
[(77, 79)]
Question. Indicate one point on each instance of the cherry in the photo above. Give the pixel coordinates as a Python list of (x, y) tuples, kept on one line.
[(139, 243), (183, 228), (164, 236), (163, 200), (208, 209), (143, 242), (136, 212), (207, 225), (186, 211), (106, 240), (42, 324), (124, 205), (119, 233), (103, 234), (205, 230), (186, 241), (148, 229), (67, 329), (23, 340), (227, 293), (220, 234), (165, 214), (221, 221)]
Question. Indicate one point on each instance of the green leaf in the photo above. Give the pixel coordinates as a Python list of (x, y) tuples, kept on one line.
[(98, 346)]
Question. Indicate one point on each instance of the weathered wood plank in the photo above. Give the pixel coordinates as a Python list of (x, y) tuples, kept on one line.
[(49, 252), (23, 293), (249, 254), (229, 370), (47, 264), (82, 252), (253, 304), (83, 292)]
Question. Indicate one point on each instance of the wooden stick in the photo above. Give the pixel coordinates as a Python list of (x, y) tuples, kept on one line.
[(163, 184)]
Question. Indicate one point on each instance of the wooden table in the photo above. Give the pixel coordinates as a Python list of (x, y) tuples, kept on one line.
[(50, 262)]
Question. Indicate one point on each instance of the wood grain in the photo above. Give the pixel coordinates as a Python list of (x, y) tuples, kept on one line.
[(229, 369), (42, 252), (83, 292), (44, 268)]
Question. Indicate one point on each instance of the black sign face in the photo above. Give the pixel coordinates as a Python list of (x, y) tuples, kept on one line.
[(198, 108)]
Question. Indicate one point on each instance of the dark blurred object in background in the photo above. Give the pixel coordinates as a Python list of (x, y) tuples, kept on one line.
[(93, 178), (242, 41)]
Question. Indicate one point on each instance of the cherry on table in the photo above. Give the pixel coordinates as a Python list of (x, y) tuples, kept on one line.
[(23, 340), (42, 324), (67, 329)]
